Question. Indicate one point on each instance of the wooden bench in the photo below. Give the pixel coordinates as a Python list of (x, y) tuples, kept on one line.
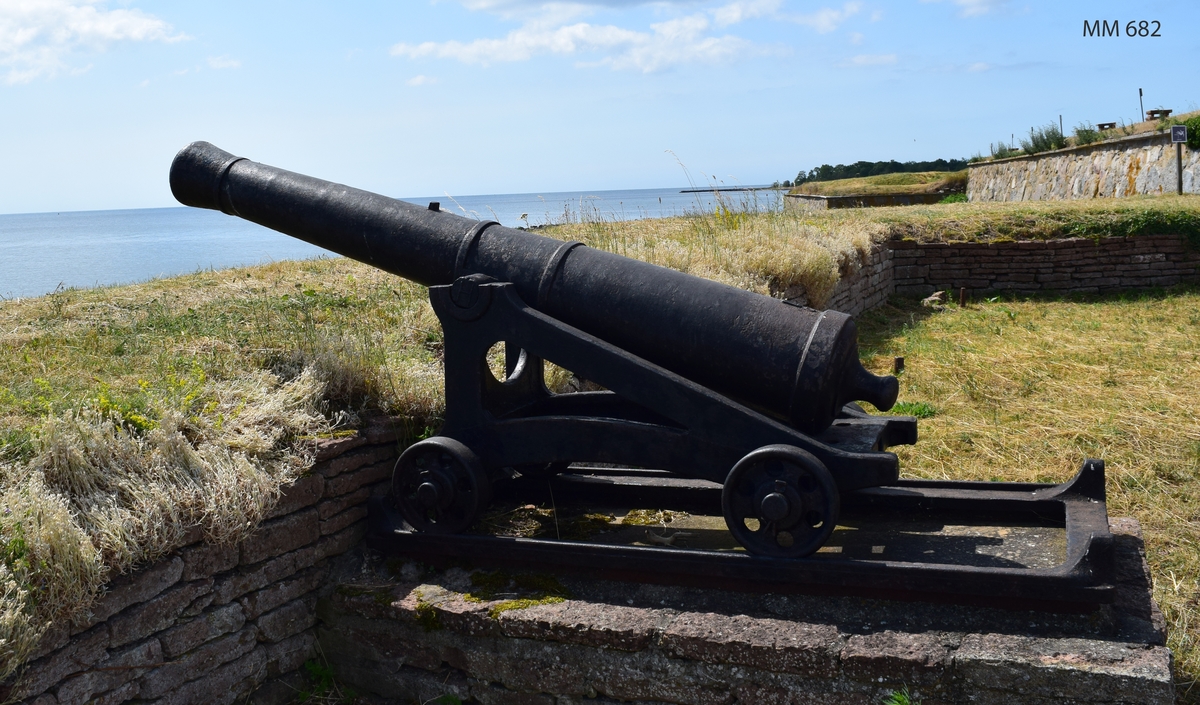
[(1106, 126), (1156, 114)]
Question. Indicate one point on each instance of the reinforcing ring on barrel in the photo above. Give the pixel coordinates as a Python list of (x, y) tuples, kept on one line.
[(439, 486), (780, 501)]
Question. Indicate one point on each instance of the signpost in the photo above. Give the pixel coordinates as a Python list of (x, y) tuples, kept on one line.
[(1179, 136)]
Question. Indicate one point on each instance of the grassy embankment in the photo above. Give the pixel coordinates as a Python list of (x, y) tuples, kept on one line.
[(885, 184), (130, 414)]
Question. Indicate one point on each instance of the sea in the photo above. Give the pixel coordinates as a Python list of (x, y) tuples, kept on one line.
[(44, 252)]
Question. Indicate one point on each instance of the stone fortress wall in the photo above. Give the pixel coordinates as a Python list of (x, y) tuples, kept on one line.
[(1126, 166)]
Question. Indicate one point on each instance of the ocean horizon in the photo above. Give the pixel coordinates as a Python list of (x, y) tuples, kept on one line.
[(44, 252)]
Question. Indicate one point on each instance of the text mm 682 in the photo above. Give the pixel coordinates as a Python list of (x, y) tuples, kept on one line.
[(1133, 28)]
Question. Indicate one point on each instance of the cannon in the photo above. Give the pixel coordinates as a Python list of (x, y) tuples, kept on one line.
[(700, 379), (697, 380)]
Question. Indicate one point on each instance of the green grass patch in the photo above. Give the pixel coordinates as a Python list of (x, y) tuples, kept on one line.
[(919, 409)]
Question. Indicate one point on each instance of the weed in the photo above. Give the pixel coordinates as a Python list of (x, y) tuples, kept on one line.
[(900, 697), (1002, 150), (427, 616), (323, 685), (1086, 133), (1043, 139), (955, 198), (919, 409)]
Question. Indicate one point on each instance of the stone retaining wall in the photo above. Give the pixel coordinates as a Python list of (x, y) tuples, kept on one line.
[(1075, 265), (411, 635), (215, 624), (867, 288), (1071, 265), (1126, 166)]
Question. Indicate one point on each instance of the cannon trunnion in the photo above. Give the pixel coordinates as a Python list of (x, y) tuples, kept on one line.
[(699, 382)]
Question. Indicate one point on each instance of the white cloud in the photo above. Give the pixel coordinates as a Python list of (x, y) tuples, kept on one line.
[(223, 62), (421, 81), (37, 36), (971, 8), (873, 60), (978, 66), (827, 19), (736, 12), (856, 38), (679, 40)]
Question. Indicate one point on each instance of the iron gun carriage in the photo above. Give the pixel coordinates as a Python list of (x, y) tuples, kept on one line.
[(700, 380)]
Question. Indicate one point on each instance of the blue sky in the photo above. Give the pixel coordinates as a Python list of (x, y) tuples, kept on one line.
[(509, 96)]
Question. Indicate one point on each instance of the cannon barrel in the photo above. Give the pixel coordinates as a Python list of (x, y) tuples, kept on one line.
[(795, 363)]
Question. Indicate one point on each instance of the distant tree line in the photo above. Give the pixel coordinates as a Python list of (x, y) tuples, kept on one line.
[(856, 170)]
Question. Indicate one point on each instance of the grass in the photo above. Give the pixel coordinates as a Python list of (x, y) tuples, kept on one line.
[(1025, 390), (1028, 220), (903, 183), (1049, 137), (131, 415)]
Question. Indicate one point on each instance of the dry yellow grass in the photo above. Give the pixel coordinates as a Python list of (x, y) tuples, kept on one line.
[(764, 252), (131, 415), (1026, 390)]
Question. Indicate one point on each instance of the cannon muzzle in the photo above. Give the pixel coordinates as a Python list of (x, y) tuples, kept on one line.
[(795, 363)]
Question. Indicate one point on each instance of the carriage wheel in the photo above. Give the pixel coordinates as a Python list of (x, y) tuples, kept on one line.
[(440, 486), (780, 501)]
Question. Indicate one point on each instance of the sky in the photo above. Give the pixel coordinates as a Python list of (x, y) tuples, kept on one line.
[(464, 97)]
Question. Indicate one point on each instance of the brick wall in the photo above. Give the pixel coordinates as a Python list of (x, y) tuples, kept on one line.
[(867, 288), (215, 624), (1077, 265), (1071, 265)]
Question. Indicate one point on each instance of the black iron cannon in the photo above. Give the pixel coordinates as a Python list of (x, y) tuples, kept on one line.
[(701, 379)]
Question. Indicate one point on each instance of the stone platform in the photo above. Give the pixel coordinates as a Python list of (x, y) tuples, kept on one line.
[(403, 632)]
